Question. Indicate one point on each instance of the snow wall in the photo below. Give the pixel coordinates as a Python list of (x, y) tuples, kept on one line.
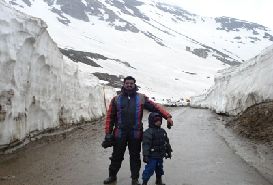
[(239, 87), (38, 88)]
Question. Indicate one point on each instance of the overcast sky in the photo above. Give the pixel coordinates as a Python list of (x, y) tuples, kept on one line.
[(258, 11)]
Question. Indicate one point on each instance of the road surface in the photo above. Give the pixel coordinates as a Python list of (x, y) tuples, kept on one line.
[(200, 157)]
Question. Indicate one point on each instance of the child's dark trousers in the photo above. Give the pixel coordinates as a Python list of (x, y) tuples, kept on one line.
[(154, 165)]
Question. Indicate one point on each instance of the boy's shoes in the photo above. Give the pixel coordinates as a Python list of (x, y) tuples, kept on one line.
[(158, 181), (110, 179), (135, 182)]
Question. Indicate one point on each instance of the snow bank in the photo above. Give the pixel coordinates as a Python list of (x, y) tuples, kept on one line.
[(38, 89), (240, 87)]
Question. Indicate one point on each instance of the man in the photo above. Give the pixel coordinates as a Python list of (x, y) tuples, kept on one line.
[(124, 127)]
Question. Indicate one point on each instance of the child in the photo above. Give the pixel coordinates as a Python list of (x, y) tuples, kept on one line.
[(155, 147)]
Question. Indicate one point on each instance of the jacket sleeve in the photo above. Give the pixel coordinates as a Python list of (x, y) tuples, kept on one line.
[(154, 107), (111, 116), (147, 142)]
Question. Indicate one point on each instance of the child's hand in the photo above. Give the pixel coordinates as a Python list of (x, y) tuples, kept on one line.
[(145, 159), (168, 155)]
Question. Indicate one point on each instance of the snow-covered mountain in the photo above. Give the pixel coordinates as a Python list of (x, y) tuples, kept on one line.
[(38, 89), (171, 52)]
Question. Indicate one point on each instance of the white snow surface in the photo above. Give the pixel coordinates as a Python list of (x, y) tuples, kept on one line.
[(168, 72), (38, 88), (239, 87)]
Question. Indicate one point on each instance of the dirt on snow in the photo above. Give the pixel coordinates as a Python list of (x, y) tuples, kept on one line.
[(256, 123)]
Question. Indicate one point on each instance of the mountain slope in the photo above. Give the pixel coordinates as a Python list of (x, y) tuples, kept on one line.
[(172, 52)]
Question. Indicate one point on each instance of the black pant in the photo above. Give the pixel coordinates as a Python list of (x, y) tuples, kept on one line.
[(134, 146)]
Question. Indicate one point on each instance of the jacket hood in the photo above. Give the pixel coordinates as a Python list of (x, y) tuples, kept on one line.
[(152, 118)]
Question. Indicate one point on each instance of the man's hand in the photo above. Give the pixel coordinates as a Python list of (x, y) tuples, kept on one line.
[(169, 123), (145, 159), (108, 141)]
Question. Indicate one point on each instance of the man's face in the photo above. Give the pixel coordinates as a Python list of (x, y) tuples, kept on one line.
[(129, 84)]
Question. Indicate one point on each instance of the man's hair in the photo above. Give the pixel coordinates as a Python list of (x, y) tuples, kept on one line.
[(129, 78)]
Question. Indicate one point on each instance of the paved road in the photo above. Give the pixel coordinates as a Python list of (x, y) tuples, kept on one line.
[(200, 157)]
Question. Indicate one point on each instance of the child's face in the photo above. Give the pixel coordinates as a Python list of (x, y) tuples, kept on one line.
[(158, 121)]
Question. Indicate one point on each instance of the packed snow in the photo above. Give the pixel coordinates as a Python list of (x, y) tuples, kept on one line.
[(240, 87), (38, 89)]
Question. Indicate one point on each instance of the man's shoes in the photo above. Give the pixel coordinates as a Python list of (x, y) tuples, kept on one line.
[(158, 181), (135, 182), (110, 179)]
